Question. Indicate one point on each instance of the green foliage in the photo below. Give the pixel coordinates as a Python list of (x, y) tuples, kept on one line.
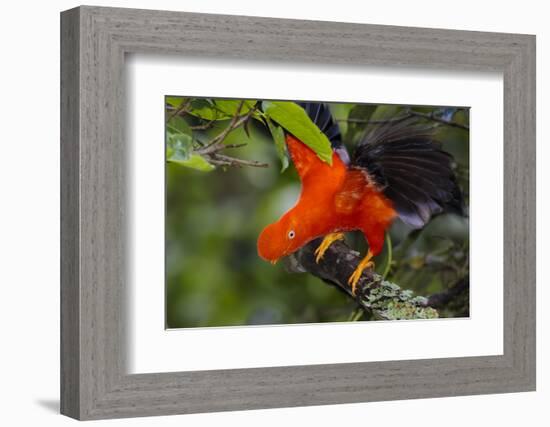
[(179, 126), (384, 112), (179, 149), (231, 106), (174, 101), (194, 161), (179, 146), (206, 109), (189, 119)]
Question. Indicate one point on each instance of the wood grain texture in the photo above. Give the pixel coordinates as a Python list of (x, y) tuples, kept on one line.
[(70, 314), (95, 274)]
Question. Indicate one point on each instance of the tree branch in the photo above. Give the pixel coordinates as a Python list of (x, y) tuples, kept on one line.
[(438, 120), (441, 299), (217, 142), (212, 150), (383, 299), (409, 113)]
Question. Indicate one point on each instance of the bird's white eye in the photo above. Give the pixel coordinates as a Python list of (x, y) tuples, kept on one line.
[(291, 234)]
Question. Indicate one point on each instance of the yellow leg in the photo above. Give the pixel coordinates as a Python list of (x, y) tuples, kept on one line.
[(365, 263), (327, 241)]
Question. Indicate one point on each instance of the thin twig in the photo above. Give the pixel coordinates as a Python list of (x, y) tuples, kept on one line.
[(441, 299), (375, 122), (244, 144), (205, 126), (409, 114), (223, 160), (434, 118), (182, 109), (211, 151), (389, 258), (217, 142)]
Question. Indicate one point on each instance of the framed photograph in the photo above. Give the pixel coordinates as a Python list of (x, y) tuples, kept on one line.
[(390, 189), (262, 213)]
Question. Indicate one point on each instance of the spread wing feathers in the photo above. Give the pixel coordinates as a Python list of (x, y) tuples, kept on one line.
[(320, 114), (411, 169)]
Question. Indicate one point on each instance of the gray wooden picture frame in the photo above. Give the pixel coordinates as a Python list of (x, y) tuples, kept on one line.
[(94, 381)]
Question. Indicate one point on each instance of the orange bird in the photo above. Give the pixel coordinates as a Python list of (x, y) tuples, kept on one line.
[(397, 171)]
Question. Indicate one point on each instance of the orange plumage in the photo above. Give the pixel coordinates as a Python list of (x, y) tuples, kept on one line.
[(345, 201)]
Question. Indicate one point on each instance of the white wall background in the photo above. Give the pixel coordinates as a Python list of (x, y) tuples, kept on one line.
[(29, 225)]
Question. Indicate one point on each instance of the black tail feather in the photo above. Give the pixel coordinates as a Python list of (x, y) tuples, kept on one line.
[(411, 169)]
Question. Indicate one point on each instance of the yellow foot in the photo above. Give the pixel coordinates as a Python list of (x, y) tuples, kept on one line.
[(327, 241), (365, 263)]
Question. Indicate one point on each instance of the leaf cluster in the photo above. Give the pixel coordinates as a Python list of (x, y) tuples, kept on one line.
[(197, 130)]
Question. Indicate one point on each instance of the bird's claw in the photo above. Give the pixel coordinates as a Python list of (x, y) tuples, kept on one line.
[(325, 244), (319, 253), (354, 278), (356, 275)]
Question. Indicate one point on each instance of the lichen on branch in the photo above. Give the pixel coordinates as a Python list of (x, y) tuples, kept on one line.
[(380, 298)]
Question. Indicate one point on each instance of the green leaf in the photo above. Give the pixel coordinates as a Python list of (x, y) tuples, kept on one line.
[(230, 106), (207, 110), (294, 119), (174, 101), (279, 138), (195, 162), (180, 150), (179, 146), (178, 124)]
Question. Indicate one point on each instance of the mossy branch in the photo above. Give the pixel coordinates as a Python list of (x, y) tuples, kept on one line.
[(381, 299)]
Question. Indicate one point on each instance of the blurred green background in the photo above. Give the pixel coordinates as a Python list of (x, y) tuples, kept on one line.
[(214, 276)]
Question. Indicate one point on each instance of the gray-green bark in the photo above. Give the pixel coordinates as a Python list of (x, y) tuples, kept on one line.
[(381, 299)]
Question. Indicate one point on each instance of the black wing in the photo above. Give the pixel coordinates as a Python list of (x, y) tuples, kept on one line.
[(411, 169)]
